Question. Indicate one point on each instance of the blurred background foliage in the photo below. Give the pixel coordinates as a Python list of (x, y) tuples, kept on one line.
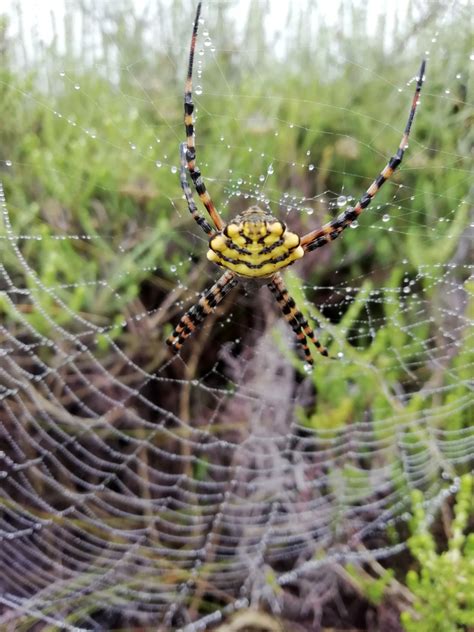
[(86, 125), (90, 125)]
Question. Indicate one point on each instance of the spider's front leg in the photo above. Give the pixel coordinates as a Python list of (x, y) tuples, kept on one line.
[(208, 302), (295, 318), (188, 154), (188, 194), (331, 230)]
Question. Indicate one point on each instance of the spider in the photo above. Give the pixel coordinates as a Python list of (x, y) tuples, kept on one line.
[(255, 246)]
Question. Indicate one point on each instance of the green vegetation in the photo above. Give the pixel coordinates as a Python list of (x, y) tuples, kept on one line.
[(437, 594), (443, 587), (85, 161)]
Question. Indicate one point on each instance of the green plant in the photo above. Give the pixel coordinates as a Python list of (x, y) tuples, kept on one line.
[(443, 587)]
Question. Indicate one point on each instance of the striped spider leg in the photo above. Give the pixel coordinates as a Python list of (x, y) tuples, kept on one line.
[(254, 246), (188, 149), (295, 318), (208, 302), (332, 230)]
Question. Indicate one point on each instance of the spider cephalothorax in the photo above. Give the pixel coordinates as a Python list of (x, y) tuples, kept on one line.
[(255, 246)]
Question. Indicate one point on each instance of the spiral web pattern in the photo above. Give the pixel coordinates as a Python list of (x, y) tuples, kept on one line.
[(135, 488)]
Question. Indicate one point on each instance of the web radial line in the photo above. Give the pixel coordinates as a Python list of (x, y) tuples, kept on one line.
[(206, 554)]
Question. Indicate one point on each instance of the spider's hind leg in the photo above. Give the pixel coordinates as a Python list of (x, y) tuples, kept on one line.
[(295, 319), (208, 302)]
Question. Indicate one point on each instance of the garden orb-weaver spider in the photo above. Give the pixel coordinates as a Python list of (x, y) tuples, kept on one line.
[(254, 246)]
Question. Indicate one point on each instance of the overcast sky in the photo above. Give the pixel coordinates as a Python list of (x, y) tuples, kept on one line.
[(37, 14)]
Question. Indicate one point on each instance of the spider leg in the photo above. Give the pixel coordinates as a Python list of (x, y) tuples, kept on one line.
[(331, 230), (208, 302), (188, 194), (190, 154), (295, 318)]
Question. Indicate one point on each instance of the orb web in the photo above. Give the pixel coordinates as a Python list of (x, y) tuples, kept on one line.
[(143, 489)]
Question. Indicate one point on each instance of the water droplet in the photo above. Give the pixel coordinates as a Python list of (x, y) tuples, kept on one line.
[(158, 163), (341, 201), (261, 178), (354, 224), (307, 368), (386, 218), (174, 169), (310, 167), (198, 90), (62, 74), (173, 268), (270, 170), (447, 92), (458, 76), (8, 163), (471, 57), (207, 42)]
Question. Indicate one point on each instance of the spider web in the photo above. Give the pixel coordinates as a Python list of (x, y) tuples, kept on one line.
[(143, 490)]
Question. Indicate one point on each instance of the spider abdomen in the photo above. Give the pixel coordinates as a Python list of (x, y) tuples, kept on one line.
[(255, 244)]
